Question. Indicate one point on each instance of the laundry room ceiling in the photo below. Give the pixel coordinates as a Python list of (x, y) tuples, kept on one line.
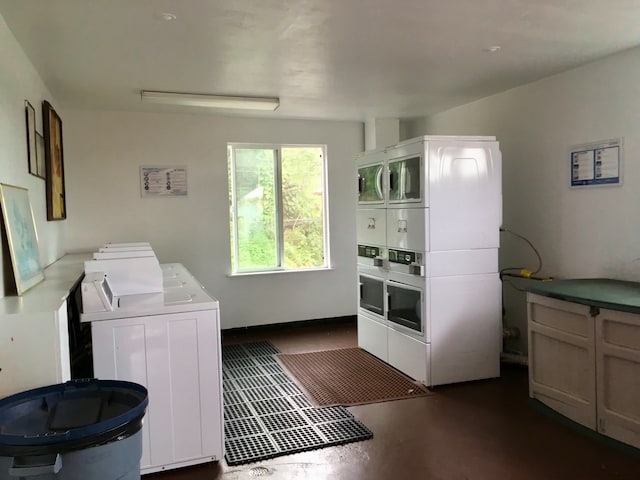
[(334, 59)]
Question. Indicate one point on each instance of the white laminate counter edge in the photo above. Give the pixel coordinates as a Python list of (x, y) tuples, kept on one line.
[(48, 295)]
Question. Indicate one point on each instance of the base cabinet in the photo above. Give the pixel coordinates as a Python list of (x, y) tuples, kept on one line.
[(584, 363), (177, 357)]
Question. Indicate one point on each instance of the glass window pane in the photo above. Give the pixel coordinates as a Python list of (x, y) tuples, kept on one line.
[(303, 205), (256, 208)]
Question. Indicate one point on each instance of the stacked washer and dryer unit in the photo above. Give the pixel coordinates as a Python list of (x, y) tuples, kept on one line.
[(428, 226)]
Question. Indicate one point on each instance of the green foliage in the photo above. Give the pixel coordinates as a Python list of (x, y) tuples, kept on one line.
[(257, 207)]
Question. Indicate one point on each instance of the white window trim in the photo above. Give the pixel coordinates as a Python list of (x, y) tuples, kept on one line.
[(277, 148)]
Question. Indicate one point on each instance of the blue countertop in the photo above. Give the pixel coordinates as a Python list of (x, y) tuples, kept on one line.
[(597, 292)]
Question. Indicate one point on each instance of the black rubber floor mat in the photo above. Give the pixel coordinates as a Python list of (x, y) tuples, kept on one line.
[(266, 415)]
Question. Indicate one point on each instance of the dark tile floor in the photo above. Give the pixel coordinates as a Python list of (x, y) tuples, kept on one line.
[(484, 430)]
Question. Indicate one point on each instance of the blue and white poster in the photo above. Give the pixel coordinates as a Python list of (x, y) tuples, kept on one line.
[(596, 164)]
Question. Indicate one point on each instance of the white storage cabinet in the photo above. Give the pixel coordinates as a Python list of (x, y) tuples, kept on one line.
[(34, 338), (585, 361)]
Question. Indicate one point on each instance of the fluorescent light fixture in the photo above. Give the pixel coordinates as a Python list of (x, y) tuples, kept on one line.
[(211, 101)]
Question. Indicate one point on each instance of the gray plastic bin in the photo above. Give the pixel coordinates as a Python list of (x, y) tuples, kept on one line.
[(83, 429)]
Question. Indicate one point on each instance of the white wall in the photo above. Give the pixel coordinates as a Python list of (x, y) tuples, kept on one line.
[(19, 81), (104, 151), (589, 232)]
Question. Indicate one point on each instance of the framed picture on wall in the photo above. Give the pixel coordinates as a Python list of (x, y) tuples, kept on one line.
[(31, 137), (54, 163), (21, 235), (42, 171)]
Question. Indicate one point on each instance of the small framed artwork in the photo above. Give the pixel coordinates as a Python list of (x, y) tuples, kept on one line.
[(21, 235), (42, 171), (54, 163), (31, 138)]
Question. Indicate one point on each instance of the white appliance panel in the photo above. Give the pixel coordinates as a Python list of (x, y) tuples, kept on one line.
[(108, 254), (408, 228), (409, 355), (465, 196), (371, 226), (118, 353), (210, 354), (372, 336), (182, 340), (462, 262), (170, 355), (465, 319), (127, 248)]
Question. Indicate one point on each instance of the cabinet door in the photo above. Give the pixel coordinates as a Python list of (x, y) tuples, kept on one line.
[(618, 375), (562, 357), (177, 357), (34, 350)]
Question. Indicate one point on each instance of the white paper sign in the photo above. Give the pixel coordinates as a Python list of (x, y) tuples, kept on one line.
[(163, 181)]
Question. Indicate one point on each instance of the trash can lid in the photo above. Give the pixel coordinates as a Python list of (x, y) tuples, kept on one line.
[(70, 412)]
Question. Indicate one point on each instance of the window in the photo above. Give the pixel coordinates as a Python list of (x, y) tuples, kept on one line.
[(278, 207)]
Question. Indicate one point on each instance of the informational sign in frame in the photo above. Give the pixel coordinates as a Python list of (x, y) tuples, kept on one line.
[(598, 163), (163, 181)]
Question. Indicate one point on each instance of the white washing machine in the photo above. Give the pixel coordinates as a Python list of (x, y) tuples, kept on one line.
[(169, 342)]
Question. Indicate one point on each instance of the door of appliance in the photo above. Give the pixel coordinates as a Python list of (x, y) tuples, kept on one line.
[(406, 310), (406, 177), (371, 297), (371, 182)]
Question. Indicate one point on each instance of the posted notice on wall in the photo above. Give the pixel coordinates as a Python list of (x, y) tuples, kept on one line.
[(163, 181), (596, 163)]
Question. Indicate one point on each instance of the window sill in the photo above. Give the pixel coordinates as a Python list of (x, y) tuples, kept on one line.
[(280, 272)]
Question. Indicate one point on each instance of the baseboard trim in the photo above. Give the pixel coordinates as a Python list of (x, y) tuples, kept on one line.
[(349, 319)]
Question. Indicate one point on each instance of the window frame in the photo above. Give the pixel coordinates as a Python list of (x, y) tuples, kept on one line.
[(279, 210)]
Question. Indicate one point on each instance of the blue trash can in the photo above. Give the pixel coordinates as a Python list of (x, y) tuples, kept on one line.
[(82, 429)]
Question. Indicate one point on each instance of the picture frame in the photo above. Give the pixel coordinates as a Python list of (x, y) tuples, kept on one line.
[(40, 160), (30, 115), (22, 237), (54, 163)]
